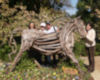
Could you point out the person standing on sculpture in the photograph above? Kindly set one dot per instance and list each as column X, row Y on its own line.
column 90, row 46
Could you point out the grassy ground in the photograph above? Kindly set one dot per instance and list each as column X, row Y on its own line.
column 27, row 70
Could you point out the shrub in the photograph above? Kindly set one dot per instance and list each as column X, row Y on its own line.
column 80, row 48
column 4, row 50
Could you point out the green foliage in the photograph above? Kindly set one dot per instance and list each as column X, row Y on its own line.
column 4, row 50
column 26, row 69
column 89, row 10
column 97, row 49
column 80, row 49
column 25, row 64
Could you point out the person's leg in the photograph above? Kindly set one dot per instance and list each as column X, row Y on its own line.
column 89, row 59
column 49, row 59
column 54, row 61
column 87, row 52
column 46, row 61
column 92, row 64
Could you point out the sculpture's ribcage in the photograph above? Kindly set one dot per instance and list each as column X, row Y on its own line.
column 48, row 43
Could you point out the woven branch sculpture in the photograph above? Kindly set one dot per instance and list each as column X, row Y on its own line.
column 52, row 43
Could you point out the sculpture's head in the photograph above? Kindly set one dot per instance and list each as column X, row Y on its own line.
column 80, row 27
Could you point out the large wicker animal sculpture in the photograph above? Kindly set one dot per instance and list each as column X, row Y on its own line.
column 52, row 43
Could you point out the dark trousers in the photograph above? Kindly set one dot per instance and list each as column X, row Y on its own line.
column 49, row 61
column 91, row 51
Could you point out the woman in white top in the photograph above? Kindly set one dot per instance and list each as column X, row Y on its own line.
column 90, row 46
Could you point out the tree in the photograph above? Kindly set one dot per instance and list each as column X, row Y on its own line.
column 19, row 13
column 90, row 11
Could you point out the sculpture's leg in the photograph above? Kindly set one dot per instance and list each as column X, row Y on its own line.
column 24, row 46
column 71, row 55
column 16, row 60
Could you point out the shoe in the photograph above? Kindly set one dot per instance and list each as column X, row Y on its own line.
column 90, row 69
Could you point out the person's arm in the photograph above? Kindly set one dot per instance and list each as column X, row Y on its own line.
column 57, row 29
